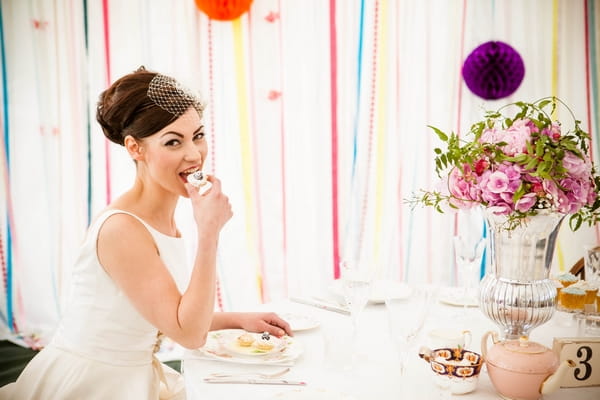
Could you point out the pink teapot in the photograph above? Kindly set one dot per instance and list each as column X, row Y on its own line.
column 521, row 369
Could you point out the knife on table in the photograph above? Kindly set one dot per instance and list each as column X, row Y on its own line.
column 253, row 381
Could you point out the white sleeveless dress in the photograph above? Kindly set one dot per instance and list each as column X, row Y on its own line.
column 103, row 347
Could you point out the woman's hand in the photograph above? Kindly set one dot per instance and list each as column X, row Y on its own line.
column 211, row 209
column 264, row 322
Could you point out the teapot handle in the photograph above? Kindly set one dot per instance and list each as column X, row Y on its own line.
column 484, row 342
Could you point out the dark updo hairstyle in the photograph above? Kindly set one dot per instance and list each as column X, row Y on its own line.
column 125, row 108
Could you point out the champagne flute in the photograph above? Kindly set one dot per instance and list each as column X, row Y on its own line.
column 468, row 254
column 406, row 317
column 356, row 286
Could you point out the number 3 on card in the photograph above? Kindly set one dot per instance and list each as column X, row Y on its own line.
column 585, row 352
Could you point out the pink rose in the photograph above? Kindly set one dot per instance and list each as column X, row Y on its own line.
column 498, row 182
column 559, row 200
column 461, row 188
column 576, row 166
column 525, row 203
column 500, row 209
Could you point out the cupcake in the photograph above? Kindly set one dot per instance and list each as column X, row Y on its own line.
column 197, row 179
column 245, row 340
column 591, row 290
column 572, row 298
column 567, row 279
column 264, row 343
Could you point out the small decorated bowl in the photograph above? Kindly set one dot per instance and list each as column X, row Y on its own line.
column 456, row 368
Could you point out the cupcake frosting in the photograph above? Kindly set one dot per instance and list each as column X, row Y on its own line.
column 574, row 290
column 567, row 277
column 585, row 285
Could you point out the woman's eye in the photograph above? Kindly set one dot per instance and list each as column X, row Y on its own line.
column 199, row 136
column 172, row 142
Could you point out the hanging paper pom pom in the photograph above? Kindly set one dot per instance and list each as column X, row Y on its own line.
column 223, row 10
column 493, row 70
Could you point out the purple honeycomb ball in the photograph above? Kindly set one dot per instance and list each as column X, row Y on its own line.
column 493, row 70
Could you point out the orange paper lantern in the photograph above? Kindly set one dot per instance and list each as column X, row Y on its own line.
column 223, row 10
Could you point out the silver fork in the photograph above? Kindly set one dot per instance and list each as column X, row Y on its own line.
column 253, row 374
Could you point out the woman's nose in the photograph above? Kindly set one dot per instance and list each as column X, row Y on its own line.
column 193, row 153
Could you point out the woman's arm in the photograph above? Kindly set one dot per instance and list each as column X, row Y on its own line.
column 252, row 322
column 128, row 253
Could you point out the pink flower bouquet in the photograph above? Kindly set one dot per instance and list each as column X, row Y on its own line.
column 517, row 166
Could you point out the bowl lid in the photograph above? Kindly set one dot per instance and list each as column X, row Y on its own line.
column 524, row 356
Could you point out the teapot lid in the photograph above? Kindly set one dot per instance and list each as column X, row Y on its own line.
column 524, row 356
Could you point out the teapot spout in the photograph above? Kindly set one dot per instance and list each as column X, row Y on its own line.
column 553, row 381
column 425, row 353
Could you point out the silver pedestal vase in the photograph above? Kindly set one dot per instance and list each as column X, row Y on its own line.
column 516, row 292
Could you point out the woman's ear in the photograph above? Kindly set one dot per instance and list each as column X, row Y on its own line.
column 133, row 148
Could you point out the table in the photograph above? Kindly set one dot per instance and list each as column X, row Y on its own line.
column 375, row 374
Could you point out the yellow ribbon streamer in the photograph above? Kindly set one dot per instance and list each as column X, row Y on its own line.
column 245, row 145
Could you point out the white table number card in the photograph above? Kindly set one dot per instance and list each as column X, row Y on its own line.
column 585, row 353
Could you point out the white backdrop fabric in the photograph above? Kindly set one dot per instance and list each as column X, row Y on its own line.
column 309, row 183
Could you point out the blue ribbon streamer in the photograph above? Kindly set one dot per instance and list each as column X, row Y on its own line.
column 88, row 133
column 353, row 185
column 359, row 63
column 9, row 294
column 484, row 256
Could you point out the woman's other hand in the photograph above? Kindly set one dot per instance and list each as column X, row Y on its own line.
column 264, row 322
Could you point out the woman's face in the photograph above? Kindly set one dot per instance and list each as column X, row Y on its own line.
column 175, row 151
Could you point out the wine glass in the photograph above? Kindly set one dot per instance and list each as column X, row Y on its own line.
column 406, row 317
column 356, row 286
column 468, row 252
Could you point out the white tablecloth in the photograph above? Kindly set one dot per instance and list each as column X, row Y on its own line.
column 375, row 373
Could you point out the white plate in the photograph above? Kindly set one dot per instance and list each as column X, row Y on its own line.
column 379, row 290
column 307, row 393
column 455, row 297
column 216, row 347
column 300, row 322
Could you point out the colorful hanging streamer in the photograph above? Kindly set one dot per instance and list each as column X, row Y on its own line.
column 371, row 133
column 591, row 72
column 88, row 128
column 380, row 157
column 249, row 181
column 106, row 26
column 7, row 264
column 334, row 139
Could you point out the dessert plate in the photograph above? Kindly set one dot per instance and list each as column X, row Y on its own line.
column 455, row 297
column 300, row 322
column 218, row 347
column 379, row 290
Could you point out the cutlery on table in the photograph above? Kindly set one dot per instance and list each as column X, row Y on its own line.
column 319, row 303
column 262, row 381
column 276, row 374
